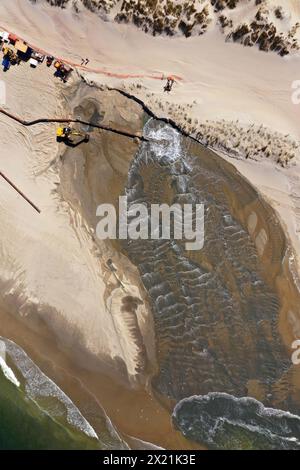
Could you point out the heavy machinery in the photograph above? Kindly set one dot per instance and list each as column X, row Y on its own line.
column 63, row 71
column 9, row 57
column 65, row 134
column 50, row 60
column 38, row 56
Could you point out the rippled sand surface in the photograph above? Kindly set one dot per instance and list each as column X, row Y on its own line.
column 217, row 311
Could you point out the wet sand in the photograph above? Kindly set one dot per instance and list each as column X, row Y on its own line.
column 133, row 412
column 89, row 175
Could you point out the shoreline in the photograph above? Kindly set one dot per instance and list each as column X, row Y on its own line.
column 152, row 425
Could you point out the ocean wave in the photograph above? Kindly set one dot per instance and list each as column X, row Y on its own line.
column 38, row 385
column 222, row 421
column 8, row 372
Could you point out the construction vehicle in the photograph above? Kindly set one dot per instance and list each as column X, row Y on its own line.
column 65, row 134
column 62, row 70
column 9, row 57
column 38, row 56
column 58, row 64
column 50, row 60
column 168, row 86
column 10, row 54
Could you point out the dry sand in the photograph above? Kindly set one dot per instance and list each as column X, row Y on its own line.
column 52, row 274
column 49, row 264
column 68, row 276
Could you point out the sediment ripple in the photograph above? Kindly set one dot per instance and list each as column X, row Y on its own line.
column 216, row 310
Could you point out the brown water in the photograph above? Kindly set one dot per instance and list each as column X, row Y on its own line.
column 217, row 311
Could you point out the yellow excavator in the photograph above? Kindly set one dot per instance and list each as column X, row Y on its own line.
column 10, row 55
column 65, row 134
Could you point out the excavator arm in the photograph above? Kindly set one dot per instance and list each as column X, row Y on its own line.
column 65, row 134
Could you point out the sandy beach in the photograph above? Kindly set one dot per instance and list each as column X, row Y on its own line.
column 78, row 305
column 256, row 88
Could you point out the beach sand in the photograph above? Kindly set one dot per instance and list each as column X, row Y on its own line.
column 54, row 278
column 74, row 312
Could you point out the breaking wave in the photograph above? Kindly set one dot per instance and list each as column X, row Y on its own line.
column 8, row 373
column 222, row 421
column 38, row 385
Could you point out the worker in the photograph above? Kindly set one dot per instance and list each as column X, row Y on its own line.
column 6, row 59
column 6, row 63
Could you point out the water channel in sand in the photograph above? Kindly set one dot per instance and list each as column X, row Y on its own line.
column 221, row 314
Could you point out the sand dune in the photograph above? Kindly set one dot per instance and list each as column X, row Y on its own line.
column 267, row 24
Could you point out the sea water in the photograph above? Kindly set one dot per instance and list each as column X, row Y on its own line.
column 36, row 414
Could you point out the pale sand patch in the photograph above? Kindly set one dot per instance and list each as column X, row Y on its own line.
column 252, row 221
